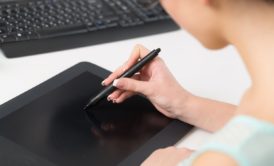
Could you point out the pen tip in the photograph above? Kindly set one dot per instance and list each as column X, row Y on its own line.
column 85, row 108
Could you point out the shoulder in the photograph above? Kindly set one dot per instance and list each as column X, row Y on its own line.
column 214, row 158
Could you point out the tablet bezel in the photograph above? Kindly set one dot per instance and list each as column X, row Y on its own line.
column 169, row 136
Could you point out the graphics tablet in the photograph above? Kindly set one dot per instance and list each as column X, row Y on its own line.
column 47, row 126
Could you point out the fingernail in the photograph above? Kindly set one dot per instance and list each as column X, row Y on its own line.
column 114, row 101
column 115, row 82
column 109, row 98
column 103, row 83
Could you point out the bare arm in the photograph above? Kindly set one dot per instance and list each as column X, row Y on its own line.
column 207, row 114
column 214, row 158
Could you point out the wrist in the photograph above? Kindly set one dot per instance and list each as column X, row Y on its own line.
column 190, row 110
column 183, row 105
column 207, row 114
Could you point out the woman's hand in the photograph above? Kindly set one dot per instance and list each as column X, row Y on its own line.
column 154, row 81
column 170, row 156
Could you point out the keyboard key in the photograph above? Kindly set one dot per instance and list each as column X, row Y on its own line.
column 2, row 31
column 9, row 38
column 21, row 36
column 32, row 35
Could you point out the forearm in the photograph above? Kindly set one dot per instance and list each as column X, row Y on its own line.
column 207, row 114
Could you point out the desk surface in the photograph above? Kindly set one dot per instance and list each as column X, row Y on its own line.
column 217, row 75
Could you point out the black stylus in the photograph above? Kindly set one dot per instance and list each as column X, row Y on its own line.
column 128, row 73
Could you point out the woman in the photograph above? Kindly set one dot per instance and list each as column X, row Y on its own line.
column 247, row 130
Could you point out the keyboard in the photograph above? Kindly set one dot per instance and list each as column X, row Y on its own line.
column 33, row 20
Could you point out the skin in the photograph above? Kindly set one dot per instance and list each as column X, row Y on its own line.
column 246, row 24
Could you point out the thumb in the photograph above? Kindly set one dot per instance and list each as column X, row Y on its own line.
column 132, row 85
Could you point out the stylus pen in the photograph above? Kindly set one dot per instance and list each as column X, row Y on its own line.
column 128, row 73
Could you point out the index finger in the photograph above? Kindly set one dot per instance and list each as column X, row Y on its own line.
column 138, row 52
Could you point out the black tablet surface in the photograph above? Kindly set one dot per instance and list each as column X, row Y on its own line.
column 46, row 126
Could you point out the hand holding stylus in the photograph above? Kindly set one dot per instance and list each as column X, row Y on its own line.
column 126, row 74
column 154, row 81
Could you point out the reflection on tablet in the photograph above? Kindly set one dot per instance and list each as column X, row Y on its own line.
column 55, row 127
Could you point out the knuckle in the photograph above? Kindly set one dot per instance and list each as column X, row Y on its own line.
column 137, row 46
column 124, row 84
column 140, row 49
column 128, row 84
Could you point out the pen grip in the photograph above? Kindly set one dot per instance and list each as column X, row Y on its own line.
column 140, row 64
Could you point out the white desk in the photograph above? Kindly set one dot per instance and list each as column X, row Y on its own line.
column 214, row 74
